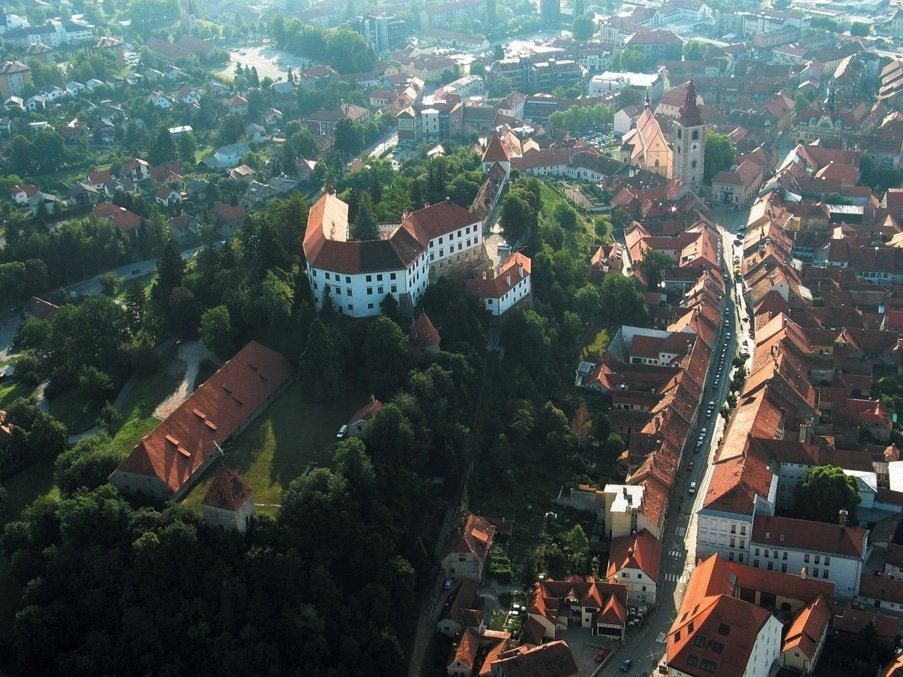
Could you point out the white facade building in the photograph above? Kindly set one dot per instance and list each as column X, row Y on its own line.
column 358, row 274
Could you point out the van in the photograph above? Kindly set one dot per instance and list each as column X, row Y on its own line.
column 692, row 488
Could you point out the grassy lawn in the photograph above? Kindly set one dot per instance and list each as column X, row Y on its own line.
column 10, row 390
column 597, row 347
column 74, row 411
column 283, row 443
column 138, row 413
column 25, row 487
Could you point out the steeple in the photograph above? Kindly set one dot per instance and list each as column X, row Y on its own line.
column 689, row 112
column 647, row 101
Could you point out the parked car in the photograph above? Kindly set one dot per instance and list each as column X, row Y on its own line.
column 448, row 583
column 342, row 432
column 692, row 488
column 625, row 666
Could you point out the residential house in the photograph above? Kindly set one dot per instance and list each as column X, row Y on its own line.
column 806, row 636
column 323, row 121
column 168, row 460
column 461, row 614
column 256, row 133
column 579, row 601
column 717, row 633
column 740, row 185
column 127, row 222
column 236, row 105
column 20, row 194
column 512, row 285
column 550, row 660
column 242, row 173
column 359, row 424
column 230, row 155
column 167, row 196
column 229, row 218
column 229, row 501
column 468, row 550
column 183, row 226
column 634, row 561
column 14, row 77
column 159, row 100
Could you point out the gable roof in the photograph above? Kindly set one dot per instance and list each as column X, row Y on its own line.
column 641, row 551
column 809, row 627
column 786, row 532
column 547, row 660
column 475, row 538
column 177, row 448
column 228, row 491
column 423, row 333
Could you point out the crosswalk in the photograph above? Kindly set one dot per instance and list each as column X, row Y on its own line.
column 677, row 578
column 661, row 638
column 675, row 553
column 682, row 531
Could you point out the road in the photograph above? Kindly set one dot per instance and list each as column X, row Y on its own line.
column 12, row 318
column 646, row 646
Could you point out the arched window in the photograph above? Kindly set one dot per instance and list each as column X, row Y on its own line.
column 679, row 133
column 695, row 134
column 656, row 163
column 693, row 164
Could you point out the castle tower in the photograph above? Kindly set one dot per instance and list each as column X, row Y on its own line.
column 689, row 142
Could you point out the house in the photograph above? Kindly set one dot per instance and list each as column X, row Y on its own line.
column 242, row 173
column 237, row 105
column 229, row 217
column 740, row 185
column 272, row 116
column 512, row 285
column 323, row 121
column 461, row 614
column 84, row 194
column 188, row 95
column 230, row 155
column 634, row 561
column 359, row 424
column 159, row 100
column 39, row 309
column 15, row 76
column 463, row 657
column 468, row 548
column 579, row 601
column 135, row 170
column 126, row 221
column 229, row 502
column 168, row 460
column 167, row 196
column 183, row 226
column 256, row 133
column 74, row 88
column 424, row 337
column 716, row 633
column 22, row 193
column 549, row 660
column 806, row 636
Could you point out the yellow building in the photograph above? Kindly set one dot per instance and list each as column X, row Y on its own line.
column 645, row 146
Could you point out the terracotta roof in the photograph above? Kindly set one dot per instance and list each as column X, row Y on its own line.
column 852, row 621
column 547, row 660
column 808, row 628
column 881, row 587
column 713, row 631
column 464, row 655
column 495, row 151
column 641, row 551
column 792, row 586
column 230, row 213
column 515, row 268
column 689, row 115
column 122, row 217
column 610, row 598
column 183, row 442
column 736, row 482
column 368, row 411
column 228, row 491
column 438, row 219
column 796, row 534
column 423, row 333
column 475, row 538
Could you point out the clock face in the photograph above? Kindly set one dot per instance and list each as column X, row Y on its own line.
column 694, row 146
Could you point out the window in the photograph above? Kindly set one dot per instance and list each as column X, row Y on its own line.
column 824, row 573
column 624, row 574
column 347, row 279
column 380, row 291
column 733, row 528
column 699, row 640
column 679, row 134
column 743, row 530
column 771, row 566
column 708, row 666
column 740, row 558
column 757, row 552
column 733, row 542
column 818, row 559
column 806, row 558
column 730, row 557
column 394, row 289
column 756, row 563
column 644, row 588
column 693, row 164
column 766, row 552
column 369, row 306
column 827, row 560
column 815, row 572
column 327, row 276
column 695, row 134
column 348, row 291
column 379, row 278
column 440, row 240
column 717, row 647
column 784, row 568
column 392, row 276
column 350, row 306
column 785, row 555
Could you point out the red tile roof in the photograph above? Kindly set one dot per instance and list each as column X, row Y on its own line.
column 475, row 538
column 792, row 586
column 182, row 443
column 368, row 411
column 464, row 655
column 228, row 491
column 611, row 598
column 495, row 151
column 515, row 268
column 423, row 333
column 786, row 532
column 729, row 626
column 122, row 217
column 808, row 628
column 881, row 587
column 547, row 660
column 641, row 551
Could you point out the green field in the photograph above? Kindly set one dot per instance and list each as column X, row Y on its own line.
column 10, row 390
column 138, row 413
column 283, row 443
column 75, row 412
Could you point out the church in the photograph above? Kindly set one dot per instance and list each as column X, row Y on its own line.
column 646, row 146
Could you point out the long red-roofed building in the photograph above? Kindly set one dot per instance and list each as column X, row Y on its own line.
column 168, row 460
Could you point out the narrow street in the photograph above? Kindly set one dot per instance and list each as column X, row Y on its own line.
column 646, row 646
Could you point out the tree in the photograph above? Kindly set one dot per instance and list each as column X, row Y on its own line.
column 187, row 148
column 365, row 227
column 630, row 59
column 575, row 544
column 860, row 29
column 878, row 178
column 501, row 86
column 318, row 367
column 109, row 282
column 86, row 465
column 719, row 154
column 695, row 50
column 584, row 27
column 349, row 138
column 385, row 352
column 550, row 10
column 581, row 425
column 517, row 218
column 170, row 268
column 622, row 301
column 824, row 493
column 655, row 265
column 216, row 331
column 163, row 149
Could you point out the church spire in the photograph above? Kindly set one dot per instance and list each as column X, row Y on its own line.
column 689, row 112
column 648, row 103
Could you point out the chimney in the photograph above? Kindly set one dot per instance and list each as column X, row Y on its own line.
column 842, row 516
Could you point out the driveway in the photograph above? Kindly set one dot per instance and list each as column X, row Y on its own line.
column 190, row 356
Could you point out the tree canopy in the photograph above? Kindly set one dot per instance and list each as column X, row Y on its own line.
column 824, row 493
